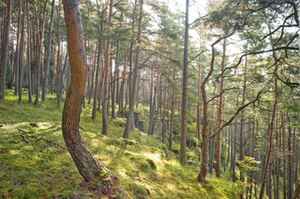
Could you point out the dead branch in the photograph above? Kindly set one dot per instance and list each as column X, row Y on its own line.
column 24, row 138
column 51, row 143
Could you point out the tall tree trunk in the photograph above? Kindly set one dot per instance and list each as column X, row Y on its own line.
column 297, row 191
column 235, row 146
column 212, row 141
column 205, row 138
column 123, row 84
column 241, row 157
column 137, row 94
column 106, row 76
column 296, row 163
column 278, row 144
column 58, row 57
column 29, row 54
column 115, row 81
column 155, row 103
column 117, row 73
column 289, row 170
column 164, row 115
column 284, row 156
column 198, row 124
column 12, row 65
column 251, row 154
column 98, row 71
column 220, row 115
column 172, row 113
column 21, row 56
column 152, row 109
column 38, row 66
column 17, row 59
column 53, row 76
column 4, row 50
column 45, row 80
column 268, row 159
column 93, row 74
column 87, row 166
column 182, row 154
column 60, row 81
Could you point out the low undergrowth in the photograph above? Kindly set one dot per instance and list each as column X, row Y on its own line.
column 35, row 163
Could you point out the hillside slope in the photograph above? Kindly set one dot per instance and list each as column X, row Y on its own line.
column 35, row 163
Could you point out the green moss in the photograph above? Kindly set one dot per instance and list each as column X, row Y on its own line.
column 138, row 191
column 143, row 164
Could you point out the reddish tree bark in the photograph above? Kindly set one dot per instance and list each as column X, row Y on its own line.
column 86, row 164
column 106, row 75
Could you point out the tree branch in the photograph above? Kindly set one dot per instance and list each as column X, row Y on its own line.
column 260, row 93
column 256, row 53
column 226, row 89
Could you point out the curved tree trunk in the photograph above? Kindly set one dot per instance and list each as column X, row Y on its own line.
column 86, row 164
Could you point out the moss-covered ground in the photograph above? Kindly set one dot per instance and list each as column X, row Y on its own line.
column 31, row 167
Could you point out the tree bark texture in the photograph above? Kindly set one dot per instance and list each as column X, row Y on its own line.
column 182, row 154
column 86, row 164
column 106, row 76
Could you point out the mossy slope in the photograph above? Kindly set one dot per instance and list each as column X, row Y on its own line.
column 40, row 168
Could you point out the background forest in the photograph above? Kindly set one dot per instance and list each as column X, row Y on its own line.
column 169, row 102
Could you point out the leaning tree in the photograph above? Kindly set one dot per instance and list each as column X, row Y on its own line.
column 86, row 164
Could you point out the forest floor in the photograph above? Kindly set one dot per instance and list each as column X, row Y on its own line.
column 34, row 162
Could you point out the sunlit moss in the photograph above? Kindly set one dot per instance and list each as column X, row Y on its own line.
column 39, row 170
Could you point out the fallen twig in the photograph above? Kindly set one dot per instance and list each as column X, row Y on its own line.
column 24, row 138
column 53, row 144
column 20, row 130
